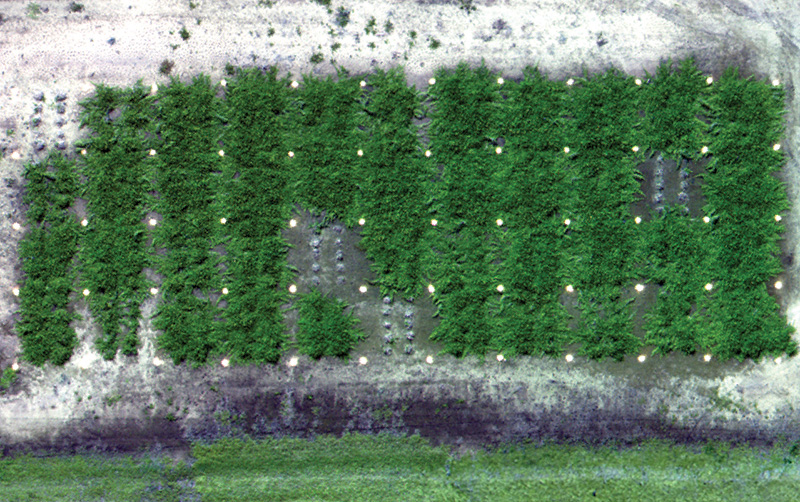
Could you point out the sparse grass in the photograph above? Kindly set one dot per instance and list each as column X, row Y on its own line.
column 466, row 6
column 270, row 31
column 335, row 47
column 371, row 45
column 33, row 10
column 370, row 28
column 192, row 5
column 317, row 58
column 388, row 27
column 75, row 7
column 8, row 377
column 185, row 35
column 434, row 44
column 166, row 67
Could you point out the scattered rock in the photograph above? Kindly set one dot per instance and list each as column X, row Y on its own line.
column 388, row 338
column 315, row 267
column 409, row 314
column 61, row 108
column 39, row 96
column 60, row 122
column 60, row 135
column 35, row 121
column 338, row 229
column 315, row 243
column 37, row 109
column 340, row 280
column 409, row 349
column 387, row 325
column 339, row 255
column 684, row 174
column 410, row 299
column 387, row 300
column 111, row 41
column 409, row 323
column 39, row 146
column 61, row 96
column 387, row 351
column 684, row 185
column 387, row 311
column 340, row 267
column 61, row 145
column 683, row 197
column 338, row 242
column 315, row 281
column 410, row 335
column 657, row 198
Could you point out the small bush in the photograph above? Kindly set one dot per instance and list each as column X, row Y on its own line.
column 270, row 31
column 388, row 26
column 34, row 10
column 317, row 58
column 166, row 67
column 342, row 17
column 185, row 34
column 75, row 7
column 435, row 44
column 326, row 3
column 370, row 28
column 324, row 330
column 9, row 377
column 335, row 47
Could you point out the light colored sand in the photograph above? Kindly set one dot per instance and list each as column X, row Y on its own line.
column 68, row 52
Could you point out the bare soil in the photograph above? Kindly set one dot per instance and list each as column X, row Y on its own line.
column 128, row 404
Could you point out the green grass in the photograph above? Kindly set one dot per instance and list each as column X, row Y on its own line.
column 323, row 327
column 366, row 468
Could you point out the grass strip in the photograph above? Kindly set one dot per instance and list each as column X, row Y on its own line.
column 113, row 254
column 323, row 327
column 254, row 197
column 186, row 168
column 47, row 252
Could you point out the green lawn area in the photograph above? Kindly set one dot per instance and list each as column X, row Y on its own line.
column 368, row 468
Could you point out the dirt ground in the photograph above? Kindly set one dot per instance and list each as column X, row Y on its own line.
column 130, row 403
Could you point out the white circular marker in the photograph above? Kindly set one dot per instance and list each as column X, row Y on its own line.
column 638, row 81
column 291, row 154
column 85, row 292
column 635, row 148
column 157, row 361
column 83, row 152
column 223, row 220
column 500, row 288
column 641, row 358
column 152, row 222
column 570, row 82
column 429, row 359
column 224, row 291
column 709, row 286
column 292, row 223
column 501, row 81
column 431, row 289
column 221, row 153
column 362, row 360
column 152, row 152
column 776, row 82
column 709, row 80
column 362, row 221
column 223, row 82
column 500, row 358
column 569, row 358
column 362, row 289
column 225, row 362
column 293, row 361
column 362, row 84
column 706, row 219
column 431, row 81
column 499, row 222
column 16, row 226
column 569, row 288
column 704, row 149
column 295, row 84
column 154, row 88
column 434, row 222
column 427, row 153
column 15, row 366
column 360, row 153
column 778, row 217
column 84, row 222
column 293, row 289
column 778, row 360
column 567, row 222
column 153, row 291
column 15, row 291
column 776, row 146
column 498, row 150
column 15, row 155
column 707, row 357
column 566, row 149
column 778, row 285
column 637, row 220
column 639, row 287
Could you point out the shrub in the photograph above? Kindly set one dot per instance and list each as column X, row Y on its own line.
column 34, row 10
column 342, row 17
column 9, row 377
column 323, row 328
column 317, row 58
column 435, row 44
column 166, row 67
column 185, row 34
column 75, row 7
